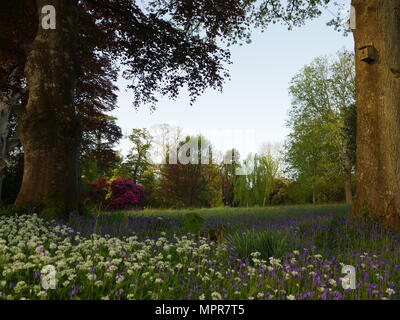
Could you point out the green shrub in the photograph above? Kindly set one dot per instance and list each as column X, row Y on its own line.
column 192, row 222
column 269, row 243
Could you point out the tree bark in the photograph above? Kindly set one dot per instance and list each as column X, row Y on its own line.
column 5, row 110
column 50, row 131
column 378, row 111
column 347, row 178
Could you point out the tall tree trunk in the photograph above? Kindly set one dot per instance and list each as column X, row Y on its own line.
column 50, row 132
column 378, row 107
column 347, row 177
column 5, row 110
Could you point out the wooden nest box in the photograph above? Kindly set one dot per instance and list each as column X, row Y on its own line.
column 367, row 53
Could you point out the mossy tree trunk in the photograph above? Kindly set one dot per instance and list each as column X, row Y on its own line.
column 50, row 131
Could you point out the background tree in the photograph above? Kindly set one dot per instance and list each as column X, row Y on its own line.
column 255, row 188
column 189, row 184
column 320, row 148
column 139, row 165
column 231, row 162
column 138, row 159
column 279, row 194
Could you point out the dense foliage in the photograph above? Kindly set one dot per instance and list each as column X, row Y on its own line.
column 320, row 150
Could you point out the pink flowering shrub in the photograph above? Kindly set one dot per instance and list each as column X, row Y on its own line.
column 125, row 194
column 119, row 194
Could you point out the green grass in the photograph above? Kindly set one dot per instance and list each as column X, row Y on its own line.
column 226, row 212
column 220, row 222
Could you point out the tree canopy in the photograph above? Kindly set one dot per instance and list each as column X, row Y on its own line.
column 321, row 145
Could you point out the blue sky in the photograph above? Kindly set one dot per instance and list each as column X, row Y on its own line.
column 255, row 98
